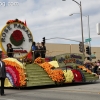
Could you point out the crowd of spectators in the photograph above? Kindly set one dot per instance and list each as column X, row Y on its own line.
column 93, row 66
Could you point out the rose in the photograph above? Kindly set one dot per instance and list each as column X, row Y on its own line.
column 17, row 35
column 17, row 38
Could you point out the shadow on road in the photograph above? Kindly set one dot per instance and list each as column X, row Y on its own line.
column 52, row 86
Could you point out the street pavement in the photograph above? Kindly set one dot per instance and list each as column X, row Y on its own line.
column 66, row 92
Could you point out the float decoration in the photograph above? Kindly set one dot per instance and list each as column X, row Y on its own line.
column 23, row 72
column 56, row 75
column 17, row 38
column 8, row 75
column 68, row 76
column 85, row 69
column 16, row 70
column 77, row 75
column 18, row 35
column 16, row 20
column 15, row 75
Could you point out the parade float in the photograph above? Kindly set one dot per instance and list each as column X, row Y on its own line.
column 22, row 71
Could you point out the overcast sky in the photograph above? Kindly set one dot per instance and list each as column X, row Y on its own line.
column 50, row 18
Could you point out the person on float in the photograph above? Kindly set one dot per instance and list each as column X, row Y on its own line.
column 10, row 52
column 43, row 49
column 38, row 49
column 2, row 75
column 34, row 50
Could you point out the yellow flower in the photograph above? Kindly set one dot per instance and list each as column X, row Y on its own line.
column 68, row 76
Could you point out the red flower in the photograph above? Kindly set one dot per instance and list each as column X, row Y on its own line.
column 14, row 73
column 77, row 75
column 17, row 35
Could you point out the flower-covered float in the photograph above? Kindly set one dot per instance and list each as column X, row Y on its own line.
column 22, row 71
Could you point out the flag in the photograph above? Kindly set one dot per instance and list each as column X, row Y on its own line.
column 25, row 23
column 30, row 56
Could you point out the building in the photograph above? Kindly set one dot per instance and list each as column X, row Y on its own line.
column 56, row 49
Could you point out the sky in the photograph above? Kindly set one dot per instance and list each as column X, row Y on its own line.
column 50, row 19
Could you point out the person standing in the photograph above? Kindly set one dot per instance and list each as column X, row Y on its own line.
column 38, row 49
column 9, row 50
column 2, row 75
column 43, row 49
column 34, row 50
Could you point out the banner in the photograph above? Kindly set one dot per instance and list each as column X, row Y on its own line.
column 70, row 59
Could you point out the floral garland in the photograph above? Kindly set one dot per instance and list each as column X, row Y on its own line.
column 16, row 20
column 13, row 62
column 17, row 38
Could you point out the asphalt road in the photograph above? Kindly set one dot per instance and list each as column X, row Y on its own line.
column 67, row 92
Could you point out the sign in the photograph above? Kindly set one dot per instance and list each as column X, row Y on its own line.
column 93, row 56
column 19, row 36
column 70, row 59
column 88, row 40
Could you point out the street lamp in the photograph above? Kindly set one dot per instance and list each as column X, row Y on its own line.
column 81, row 24
column 88, row 25
column 89, row 36
column 88, row 30
column 73, row 14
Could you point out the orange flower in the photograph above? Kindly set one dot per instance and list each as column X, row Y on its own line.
column 56, row 75
column 87, row 70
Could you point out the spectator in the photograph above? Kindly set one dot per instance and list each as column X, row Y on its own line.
column 2, row 75
column 88, row 65
column 95, row 67
column 92, row 67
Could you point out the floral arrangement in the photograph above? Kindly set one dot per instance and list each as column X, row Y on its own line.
column 85, row 69
column 68, row 76
column 16, row 71
column 54, row 63
column 16, row 20
column 56, row 75
column 77, row 75
column 8, row 75
column 17, row 38
column 13, row 75
column 38, row 60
